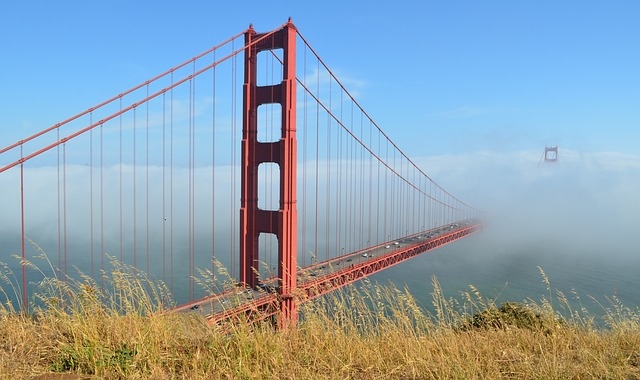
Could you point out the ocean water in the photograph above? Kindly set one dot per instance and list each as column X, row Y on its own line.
column 514, row 273
column 503, row 267
column 576, row 220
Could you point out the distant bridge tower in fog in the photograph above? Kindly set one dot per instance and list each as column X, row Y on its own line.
column 551, row 153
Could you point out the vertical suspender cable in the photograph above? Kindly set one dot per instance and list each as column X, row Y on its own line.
column 353, row 188
column 349, row 146
column 350, row 177
column 425, row 199
column 402, row 225
column 59, row 268
column 64, row 206
column 266, row 129
column 402, row 201
column 441, row 207
column 164, row 189
column 378, row 190
column 274, row 133
column 171, row 186
column 147, row 184
column 385, row 219
column 416, row 203
column 397, row 196
column 339, row 192
column 433, row 205
column 271, row 137
column 361, row 218
column 102, row 250
column 357, row 186
column 425, row 208
column 25, row 305
column 394, row 195
column 91, row 249
column 135, row 195
column 193, row 180
column 121, row 184
column 317, row 196
column 328, row 191
column 370, row 197
column 305, row 180
column 420, row 202
column 233, row 157
column 190, row 191
column 213, row 175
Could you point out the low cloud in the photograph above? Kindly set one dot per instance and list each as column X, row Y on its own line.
column 584, row 201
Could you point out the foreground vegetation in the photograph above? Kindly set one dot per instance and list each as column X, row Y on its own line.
column 82, row 330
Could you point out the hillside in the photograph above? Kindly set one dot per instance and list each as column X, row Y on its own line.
column 373, row 332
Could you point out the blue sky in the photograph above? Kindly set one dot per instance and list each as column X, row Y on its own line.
column 471, row 90
column 439, row 77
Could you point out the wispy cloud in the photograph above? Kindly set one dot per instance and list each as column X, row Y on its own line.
column 320, row 82
column 471, row 111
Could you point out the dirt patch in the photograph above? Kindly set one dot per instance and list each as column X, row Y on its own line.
column 61, row 376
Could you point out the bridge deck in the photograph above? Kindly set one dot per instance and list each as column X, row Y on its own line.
column 323, row 277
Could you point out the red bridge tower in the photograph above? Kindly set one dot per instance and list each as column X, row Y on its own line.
column 253, row 220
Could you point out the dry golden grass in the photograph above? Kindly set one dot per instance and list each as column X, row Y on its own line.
column 375, row 332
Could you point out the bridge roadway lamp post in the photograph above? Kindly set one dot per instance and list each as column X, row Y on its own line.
column 253, row 220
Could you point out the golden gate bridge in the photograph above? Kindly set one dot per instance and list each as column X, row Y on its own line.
column 248, row 164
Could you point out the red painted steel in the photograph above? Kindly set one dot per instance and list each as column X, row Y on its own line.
column 255, row 310
column 253, row 220
column 312, row 281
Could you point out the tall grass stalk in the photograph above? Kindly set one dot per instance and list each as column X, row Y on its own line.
column 365, row 331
